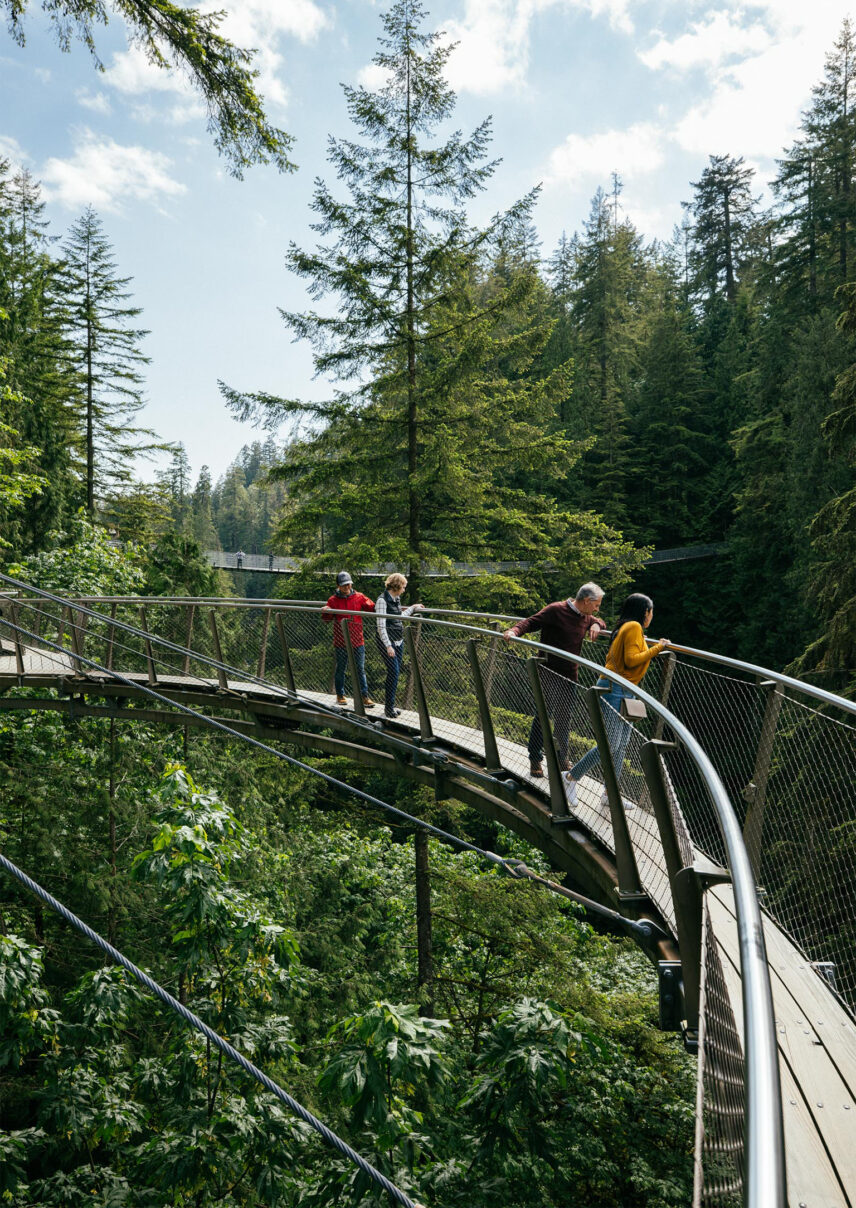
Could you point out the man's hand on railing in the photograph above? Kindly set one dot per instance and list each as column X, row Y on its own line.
column 509, row 634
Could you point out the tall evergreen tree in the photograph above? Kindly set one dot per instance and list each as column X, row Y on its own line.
column 832, row 585
column 666, row 482
column 106, row 355
column 610, row 277
column 411, row 465
column 724, row 227
column 33, row 341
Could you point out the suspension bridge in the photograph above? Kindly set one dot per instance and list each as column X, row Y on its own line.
column 286, row 564
column 722, row 844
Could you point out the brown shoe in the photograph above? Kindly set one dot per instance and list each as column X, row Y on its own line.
column 535, row 769
column 341, row 700
column 368, row 703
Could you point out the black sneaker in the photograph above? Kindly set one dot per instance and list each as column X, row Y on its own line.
column 392, row 713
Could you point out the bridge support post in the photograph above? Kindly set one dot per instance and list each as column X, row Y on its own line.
column 755, row 793
column 558, row 801
column 629, row 883
column 218, row 652
column 688, row 883
column 263, row 649
column 286, row 657
column 665, row 689
column 491, row 752
column 76, row 622
column 426, row 732
column 16, row 638
column 359, row 707
column 111, row 637
column 150, row 662
column 187, row 646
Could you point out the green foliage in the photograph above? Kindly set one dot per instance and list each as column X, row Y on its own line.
column 84, row 561
column 175, row 567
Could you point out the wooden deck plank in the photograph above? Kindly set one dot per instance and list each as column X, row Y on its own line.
column 819, row 1110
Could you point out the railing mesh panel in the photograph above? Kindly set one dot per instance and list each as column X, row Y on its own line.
column 721, row 1078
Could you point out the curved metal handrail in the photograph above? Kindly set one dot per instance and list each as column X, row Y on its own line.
column 754, row 670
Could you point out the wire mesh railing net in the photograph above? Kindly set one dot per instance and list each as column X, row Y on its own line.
column 720, row 1115
column 790, row 773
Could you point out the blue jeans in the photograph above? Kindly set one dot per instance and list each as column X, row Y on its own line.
column 617, row 732
column 393, row 671
column 341, row 666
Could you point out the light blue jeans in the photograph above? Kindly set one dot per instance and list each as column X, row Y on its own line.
column 617, row 732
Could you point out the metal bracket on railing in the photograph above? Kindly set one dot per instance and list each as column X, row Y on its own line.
column 670, row 995
column 558, row 800
column 755, row 793
column 426, row 733
column 688, row 884
column 218, row 653
column 286, row 657
column 356, row 686
column 629, row 881
column 493, row 764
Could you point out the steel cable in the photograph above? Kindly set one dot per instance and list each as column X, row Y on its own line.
column 214, row 1037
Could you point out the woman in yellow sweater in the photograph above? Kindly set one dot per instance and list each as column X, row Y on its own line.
column 628, row 655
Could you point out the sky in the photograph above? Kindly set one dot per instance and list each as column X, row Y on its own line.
column 577, row 89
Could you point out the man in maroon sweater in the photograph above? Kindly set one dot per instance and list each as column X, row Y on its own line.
column 563, row 624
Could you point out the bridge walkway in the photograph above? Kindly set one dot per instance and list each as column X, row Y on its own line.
column 815, row 1040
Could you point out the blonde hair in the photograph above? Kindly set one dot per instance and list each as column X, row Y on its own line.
column 396, row 580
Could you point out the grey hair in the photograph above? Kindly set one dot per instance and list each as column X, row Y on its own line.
column 590, row 591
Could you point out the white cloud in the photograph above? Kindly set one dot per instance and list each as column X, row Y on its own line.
column 12, row 150
column 105, row 174
column 493, row 39
column 372, row 77
column 708, row 43
column 98, row 102
column 133, row 74
column 753, row 105
column 581, row 159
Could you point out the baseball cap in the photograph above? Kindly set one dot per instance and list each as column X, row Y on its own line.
column 343, row 578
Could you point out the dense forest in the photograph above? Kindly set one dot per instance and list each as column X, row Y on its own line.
column 568, row 409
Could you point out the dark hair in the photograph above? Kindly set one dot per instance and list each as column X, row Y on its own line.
column 633, row 609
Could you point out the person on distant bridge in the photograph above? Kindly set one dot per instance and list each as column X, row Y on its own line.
column 628, row 655
column 390, row 634
column 563, row 624
column 345, row 598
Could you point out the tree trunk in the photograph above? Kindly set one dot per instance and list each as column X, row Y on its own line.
column 425, row 968
column 111, row 917
column 415, row 533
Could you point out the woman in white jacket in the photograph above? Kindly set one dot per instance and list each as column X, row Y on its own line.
column 390, row 634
